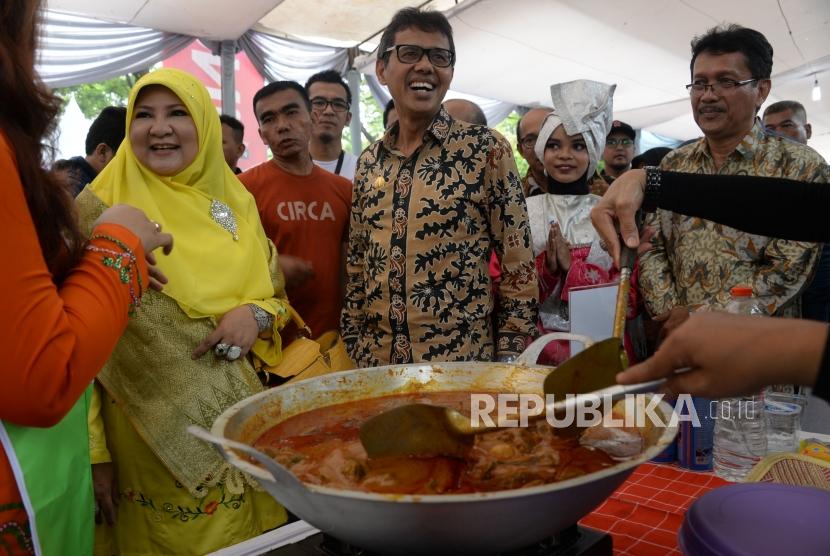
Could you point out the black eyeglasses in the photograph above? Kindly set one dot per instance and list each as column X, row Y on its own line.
column 320, row 103
column 718, row 87
column 412, row 54
column 625, row 142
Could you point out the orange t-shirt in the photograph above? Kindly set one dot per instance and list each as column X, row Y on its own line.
column 53, row 341
column 307, row 217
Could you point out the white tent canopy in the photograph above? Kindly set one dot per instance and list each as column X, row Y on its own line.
column 513, row 50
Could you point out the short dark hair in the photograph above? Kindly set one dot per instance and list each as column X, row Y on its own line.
column 728, row 38
column 782, row 105
column 652, row 157
column 328, row 76
column 389, row 107
column 279, row 86
column 428, row 21
column 236, row 126
column 109, row 128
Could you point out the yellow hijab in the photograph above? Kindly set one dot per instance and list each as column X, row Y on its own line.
column 210, row 272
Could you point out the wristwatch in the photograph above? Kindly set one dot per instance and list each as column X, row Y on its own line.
column 651, row 195
column 264, row 319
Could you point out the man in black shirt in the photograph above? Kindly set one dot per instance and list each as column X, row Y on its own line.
column 102, row 140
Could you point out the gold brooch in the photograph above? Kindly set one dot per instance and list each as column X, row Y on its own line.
column 380, row 183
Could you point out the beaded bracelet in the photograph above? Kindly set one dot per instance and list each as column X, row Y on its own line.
column 652, row 190
column 123, row 262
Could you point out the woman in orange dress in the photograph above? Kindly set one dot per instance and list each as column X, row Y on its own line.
column 63, row 306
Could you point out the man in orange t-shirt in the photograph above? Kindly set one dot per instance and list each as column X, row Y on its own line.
column 304, row 209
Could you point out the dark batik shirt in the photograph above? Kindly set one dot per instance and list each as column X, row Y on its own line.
column 421, row 233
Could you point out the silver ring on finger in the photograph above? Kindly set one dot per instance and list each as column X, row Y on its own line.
column 233, row 353
column 221, row 350
column 156, row 224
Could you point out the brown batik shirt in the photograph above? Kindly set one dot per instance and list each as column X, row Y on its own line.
column 421, row 234
column 598, row 185
column 695, row 262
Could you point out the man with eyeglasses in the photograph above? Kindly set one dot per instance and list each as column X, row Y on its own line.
column 331, row 100
column 432, row 198
column 694, row 262
column 618, row 153
column 535, row 181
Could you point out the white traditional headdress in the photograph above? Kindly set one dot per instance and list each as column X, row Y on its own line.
column 581, row 106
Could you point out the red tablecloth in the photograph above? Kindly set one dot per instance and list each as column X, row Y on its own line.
column 644, row 515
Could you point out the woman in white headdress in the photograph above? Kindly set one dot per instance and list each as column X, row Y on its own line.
column 566, row 246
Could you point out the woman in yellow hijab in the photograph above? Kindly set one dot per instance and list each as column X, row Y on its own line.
column 187, row 353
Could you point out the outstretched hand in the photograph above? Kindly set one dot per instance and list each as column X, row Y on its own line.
column 731, row 355
column 620, row 204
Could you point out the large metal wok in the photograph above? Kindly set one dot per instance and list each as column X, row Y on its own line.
column 485, row 523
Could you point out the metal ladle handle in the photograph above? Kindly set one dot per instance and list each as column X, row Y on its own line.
column 531, row 354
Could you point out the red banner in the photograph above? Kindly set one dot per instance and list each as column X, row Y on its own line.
column 198, row 60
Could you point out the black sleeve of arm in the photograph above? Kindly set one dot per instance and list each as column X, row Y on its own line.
column 822, row 386
column 774, row 207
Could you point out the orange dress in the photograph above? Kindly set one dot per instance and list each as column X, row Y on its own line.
column 53, row 340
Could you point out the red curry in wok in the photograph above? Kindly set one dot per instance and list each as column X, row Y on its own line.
column 322, row 447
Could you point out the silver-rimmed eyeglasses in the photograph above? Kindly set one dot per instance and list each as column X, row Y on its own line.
column 718, row 87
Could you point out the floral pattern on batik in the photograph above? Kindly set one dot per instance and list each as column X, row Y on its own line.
column 695, row 262
column 421, row 233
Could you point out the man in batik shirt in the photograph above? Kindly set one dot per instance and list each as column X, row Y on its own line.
column 431, row 200
column 527, row 130
column 695, row 262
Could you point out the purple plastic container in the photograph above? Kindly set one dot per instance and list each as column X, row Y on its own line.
column 758, row 519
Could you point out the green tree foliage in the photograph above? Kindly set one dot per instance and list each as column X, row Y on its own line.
column 507, row 127
column 94, row 97
column 371, row 118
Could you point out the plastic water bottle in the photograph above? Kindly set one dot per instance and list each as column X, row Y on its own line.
column 740, row 428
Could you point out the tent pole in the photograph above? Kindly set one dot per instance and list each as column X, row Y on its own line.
column 227, row 56
column 354, row 127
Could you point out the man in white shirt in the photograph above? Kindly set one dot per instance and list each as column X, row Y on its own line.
column 330, row 103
